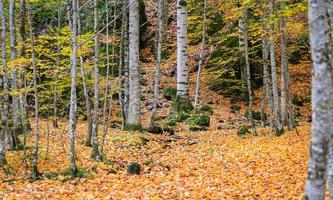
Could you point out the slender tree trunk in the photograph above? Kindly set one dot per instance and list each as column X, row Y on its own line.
column 5, row 117
column 16, row 104
column 134, row 74
column 55, row 98
column 95, row 152
column 322, row 86
column 159, row 36
column 122, row 63
column 265, row 56
column 182, row 68
column 284, row 73
column 87, row 102
column 22, row 80
column 35, row 172
column 241, row 36
column 277, row 114
column 201, row 57
column 248, row 70
column 108, row 84
column 73, row 99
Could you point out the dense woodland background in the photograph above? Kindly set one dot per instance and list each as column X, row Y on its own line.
column 216, row 106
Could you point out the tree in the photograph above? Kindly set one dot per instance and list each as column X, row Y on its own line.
column 133, row 120
column 4, row 123
column 287, row 114
column 201, row 56
column 277, row 114
column 123, row 64
column 73, row 99
column 322, row 88
column 35, row 172
column 159, row 36
column 95, row 152
column 248, row 71
column 15, row 102
column 182, row 68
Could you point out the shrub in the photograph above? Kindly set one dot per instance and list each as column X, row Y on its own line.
column 181, row 104
column 169, row 93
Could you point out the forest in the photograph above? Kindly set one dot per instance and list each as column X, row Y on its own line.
column 166, row 99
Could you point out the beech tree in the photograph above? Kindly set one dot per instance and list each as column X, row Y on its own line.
column 133, row 118
column 322, row 87
column 73, row 99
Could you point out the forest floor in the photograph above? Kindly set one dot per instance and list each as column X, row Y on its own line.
column 214, row 164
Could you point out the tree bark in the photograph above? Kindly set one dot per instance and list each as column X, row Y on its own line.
column 201, row 57
column 122, row 61
column 15, row 99
column 182, row 68
column 159, row 39
column 95, row 152
column 35, row 172
column 87, row 104
column 134, row 74
column 322, row 90
column 277, row 114
column 5, row 117
column 73, row 99
column 248, row 70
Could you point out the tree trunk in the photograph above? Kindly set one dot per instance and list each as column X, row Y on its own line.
column 5, row 117
column 159, row 39
column 95, row 152
column 73, row 99
column 133, row 119
column 88, row 106
column 201, row 57
column 248, row 71
column 55, row 98
column 277, row 114
column 182, row 68
column 15, row 99
column 265, row 57
column 121, row 89
column 322, row 86
column 284, row 73
column 35, row 172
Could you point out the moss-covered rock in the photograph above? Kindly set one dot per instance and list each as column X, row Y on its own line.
column 133, row 127
column 182, row 104
column 169, row 93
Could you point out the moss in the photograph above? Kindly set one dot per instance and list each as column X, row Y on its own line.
column 169, row 93
column 242, row 130
column 133, row 127
column 182, row 104
column 206, row 109
column 169, row 129
column 134, row 168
